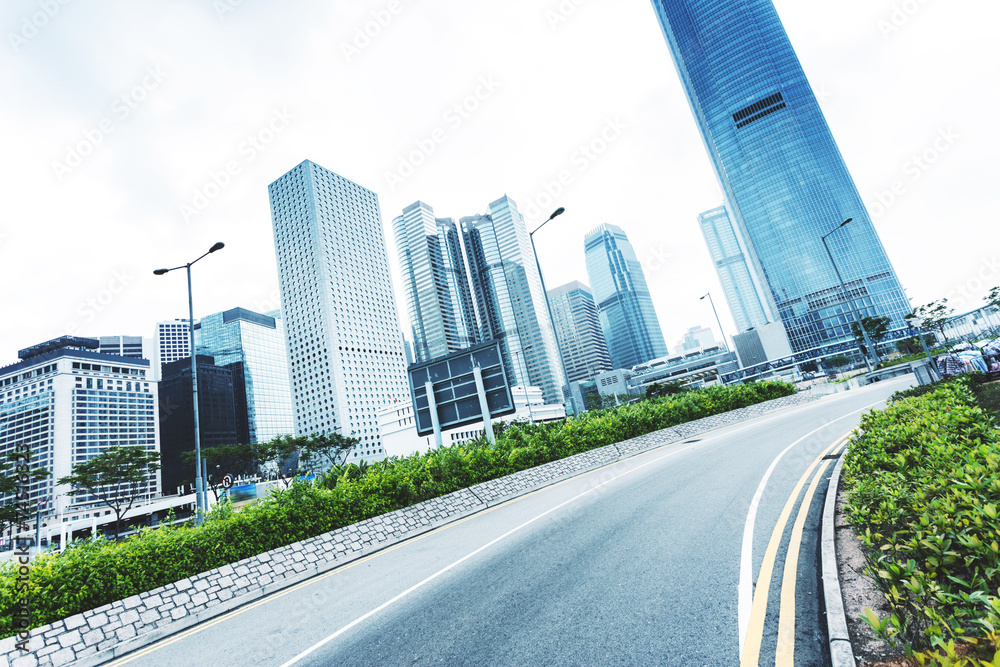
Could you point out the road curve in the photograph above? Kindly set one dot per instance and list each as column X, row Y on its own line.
column 638, row 563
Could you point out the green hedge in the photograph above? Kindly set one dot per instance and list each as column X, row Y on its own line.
column 93, row 573
column 922, row 481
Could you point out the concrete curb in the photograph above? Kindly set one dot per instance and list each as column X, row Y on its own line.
column 841, row 650
column 121, row 627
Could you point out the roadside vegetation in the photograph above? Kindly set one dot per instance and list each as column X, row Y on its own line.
column 922, row 482
column 92, row 573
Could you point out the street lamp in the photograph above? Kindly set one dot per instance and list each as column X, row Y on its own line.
column 709, row 295
column 198, row 481
column 854, row 308
column 545, row 295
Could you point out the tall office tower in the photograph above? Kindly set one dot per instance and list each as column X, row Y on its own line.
column 67, row 403
column 217, row 418
column 342, row 331
column 782, row 174
column 128, row 346
column 442, row 316
column 172, row 342
column 628, row 319
column 252, row 346
column 574, row 314
column 742, row 286
column 509, row 298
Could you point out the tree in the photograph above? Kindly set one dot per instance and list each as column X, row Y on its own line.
column 838, row 361
column 323, row 452
column 240, row 460
column 993, row 298
column 116, row 477
column 876, row 327
column 15, row 512
column 934, row 315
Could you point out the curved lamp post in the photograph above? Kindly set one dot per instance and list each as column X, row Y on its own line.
column 545, row 295
column 854, row 309
column 198, row 481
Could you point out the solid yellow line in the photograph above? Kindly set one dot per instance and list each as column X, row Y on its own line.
column 784, row 655
column 755, row 629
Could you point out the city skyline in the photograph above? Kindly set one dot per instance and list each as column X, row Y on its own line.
column 177, row 117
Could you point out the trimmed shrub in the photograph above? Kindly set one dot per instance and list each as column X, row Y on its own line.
column 90, row 574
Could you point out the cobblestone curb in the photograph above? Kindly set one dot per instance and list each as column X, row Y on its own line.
column 841, row 650
column 107, row 632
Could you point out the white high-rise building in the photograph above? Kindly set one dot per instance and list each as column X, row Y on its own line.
column 67, row 403
column 173, row 342
column 345, row 348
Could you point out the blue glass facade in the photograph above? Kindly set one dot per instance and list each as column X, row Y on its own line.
column 438, row 297
column 783, row 177
column 624, row 305
column 509, row 299
column 252, row 346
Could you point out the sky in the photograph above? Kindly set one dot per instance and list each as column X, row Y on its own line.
column 136, row 135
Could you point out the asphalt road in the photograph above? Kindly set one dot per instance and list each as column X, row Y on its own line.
column 638, row 563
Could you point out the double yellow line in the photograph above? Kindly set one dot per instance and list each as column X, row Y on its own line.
column 785, row 651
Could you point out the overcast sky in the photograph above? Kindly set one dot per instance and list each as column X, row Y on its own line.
column 136, row 134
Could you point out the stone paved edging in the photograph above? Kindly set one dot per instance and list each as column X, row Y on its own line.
column 841, row 649
column 110, row 631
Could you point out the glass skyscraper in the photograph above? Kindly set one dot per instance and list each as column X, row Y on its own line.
column 624, row 305
column 438, row 297
column 581, row 340
column 509, row 298
column 252, row 346
column 744, row 292
column 780, row 170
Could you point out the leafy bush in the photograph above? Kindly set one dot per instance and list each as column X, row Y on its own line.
column 922, row 481
column 95, row 573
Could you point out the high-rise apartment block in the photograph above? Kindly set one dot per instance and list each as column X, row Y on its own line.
column 252, row 346
column 67, row 403
column 442, row 319
column 173, row 342
column 341, row 326
column 624, row 305
column 744, row 292
column 783, row 177
column 581, row 340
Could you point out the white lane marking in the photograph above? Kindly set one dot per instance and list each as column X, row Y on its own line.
column 745, row 586
column 458, row 562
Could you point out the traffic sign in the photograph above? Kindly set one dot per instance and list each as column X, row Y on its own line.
column 227, row 481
